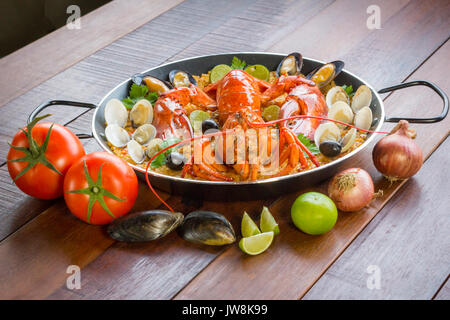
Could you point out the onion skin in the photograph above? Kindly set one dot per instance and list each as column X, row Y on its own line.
column 355, row 196
column 397, row 156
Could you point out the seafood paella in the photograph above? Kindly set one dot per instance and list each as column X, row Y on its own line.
column 239, row 122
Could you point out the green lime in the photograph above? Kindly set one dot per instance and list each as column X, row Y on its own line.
column 267, row 222
column 271, row 112
column 256, row 244
column 218, row 72
column 314, row 213
column 248, row 226
column 197, row 117
column 258, row 71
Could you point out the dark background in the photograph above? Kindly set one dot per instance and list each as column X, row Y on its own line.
column 23, row 21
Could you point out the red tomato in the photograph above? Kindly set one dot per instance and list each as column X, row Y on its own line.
column 43, row 180
column 106, row 191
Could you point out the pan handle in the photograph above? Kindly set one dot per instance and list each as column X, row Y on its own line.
column 420, row 83
column 49, row 103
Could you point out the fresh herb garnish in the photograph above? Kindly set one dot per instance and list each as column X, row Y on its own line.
column 161, row 159
column 349, row 90
column 236, row 63
column 309, row 144
column 137, row 93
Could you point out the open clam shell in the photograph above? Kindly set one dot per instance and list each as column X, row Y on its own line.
column 153, row 147
column 348, row 140
column 341, row 111
column 117, row 135
column 207, row 227
column 144, row 225
column 179, row 78
column 362, row 98
column 326, row 73
column 336, row 94
column 290, row 65
column 135, row 151
column 363, row 119
column 327, row 131
column 144, row 134
column 141, row 113
column 116, row 113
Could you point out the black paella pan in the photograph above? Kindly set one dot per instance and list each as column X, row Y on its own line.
column 248, row 189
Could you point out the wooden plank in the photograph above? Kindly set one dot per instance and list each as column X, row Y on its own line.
column 409, row 248
column 295, row 261
column 444, row 292
column 62, row 48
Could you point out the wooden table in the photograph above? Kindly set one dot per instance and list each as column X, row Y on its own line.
column 402, row 235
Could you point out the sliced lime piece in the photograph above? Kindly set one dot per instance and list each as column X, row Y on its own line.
column 197, row 117
column 267, row 222
column 256, row 244
column 218, row 72
column 271, row 113
column 248, row 226
column 258, row 71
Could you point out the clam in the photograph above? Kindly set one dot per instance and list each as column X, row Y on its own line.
column 180, row 78
column 144, row 134
column 323, row 75
column 327, row 131
column 153, row 147
column 290, row 65
column 117, row 135
column 363, row 119
column 135, row 151
column 116, row 113
column 336, row 94
column 348, row 140
column 141, row 113
column 144, row 225
column 362, row 98
column 341, row 111
column 207, row 227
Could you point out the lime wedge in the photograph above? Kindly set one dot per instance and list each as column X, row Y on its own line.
column 258, row 71
column 256, row 244
column 267, row 222
column 271, row 112
column 218, row 72
column 197, row 117
column 248, row 226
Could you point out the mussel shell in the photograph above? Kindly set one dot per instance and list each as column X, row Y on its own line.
column 207, row 227
column 144, row 225
column 139, row 80
column 298, row 63
column 172, row 79
column 338, row 66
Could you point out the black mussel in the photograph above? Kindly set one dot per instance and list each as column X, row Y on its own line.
column 326, row 73
column 330, row 148
column 207, row 227
column 180, row 78
column 153, row 84
column 175, row 161
column 290, row 65
column 209, row 124
column 144, row 225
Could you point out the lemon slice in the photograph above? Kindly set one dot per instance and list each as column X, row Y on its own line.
column 258, row 71
column 218, row 72
column 197, row 117
column 248, row 226
column 267, row 222
column 271, row 113
column 256, row 244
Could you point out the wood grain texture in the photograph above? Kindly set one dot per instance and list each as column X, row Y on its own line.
column 295, row 261
column 62, row 48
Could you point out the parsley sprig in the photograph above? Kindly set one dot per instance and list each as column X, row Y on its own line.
column 349, row 90
column 137, row 93
column 161, row 159
column 309, row 144
column 236, row 63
